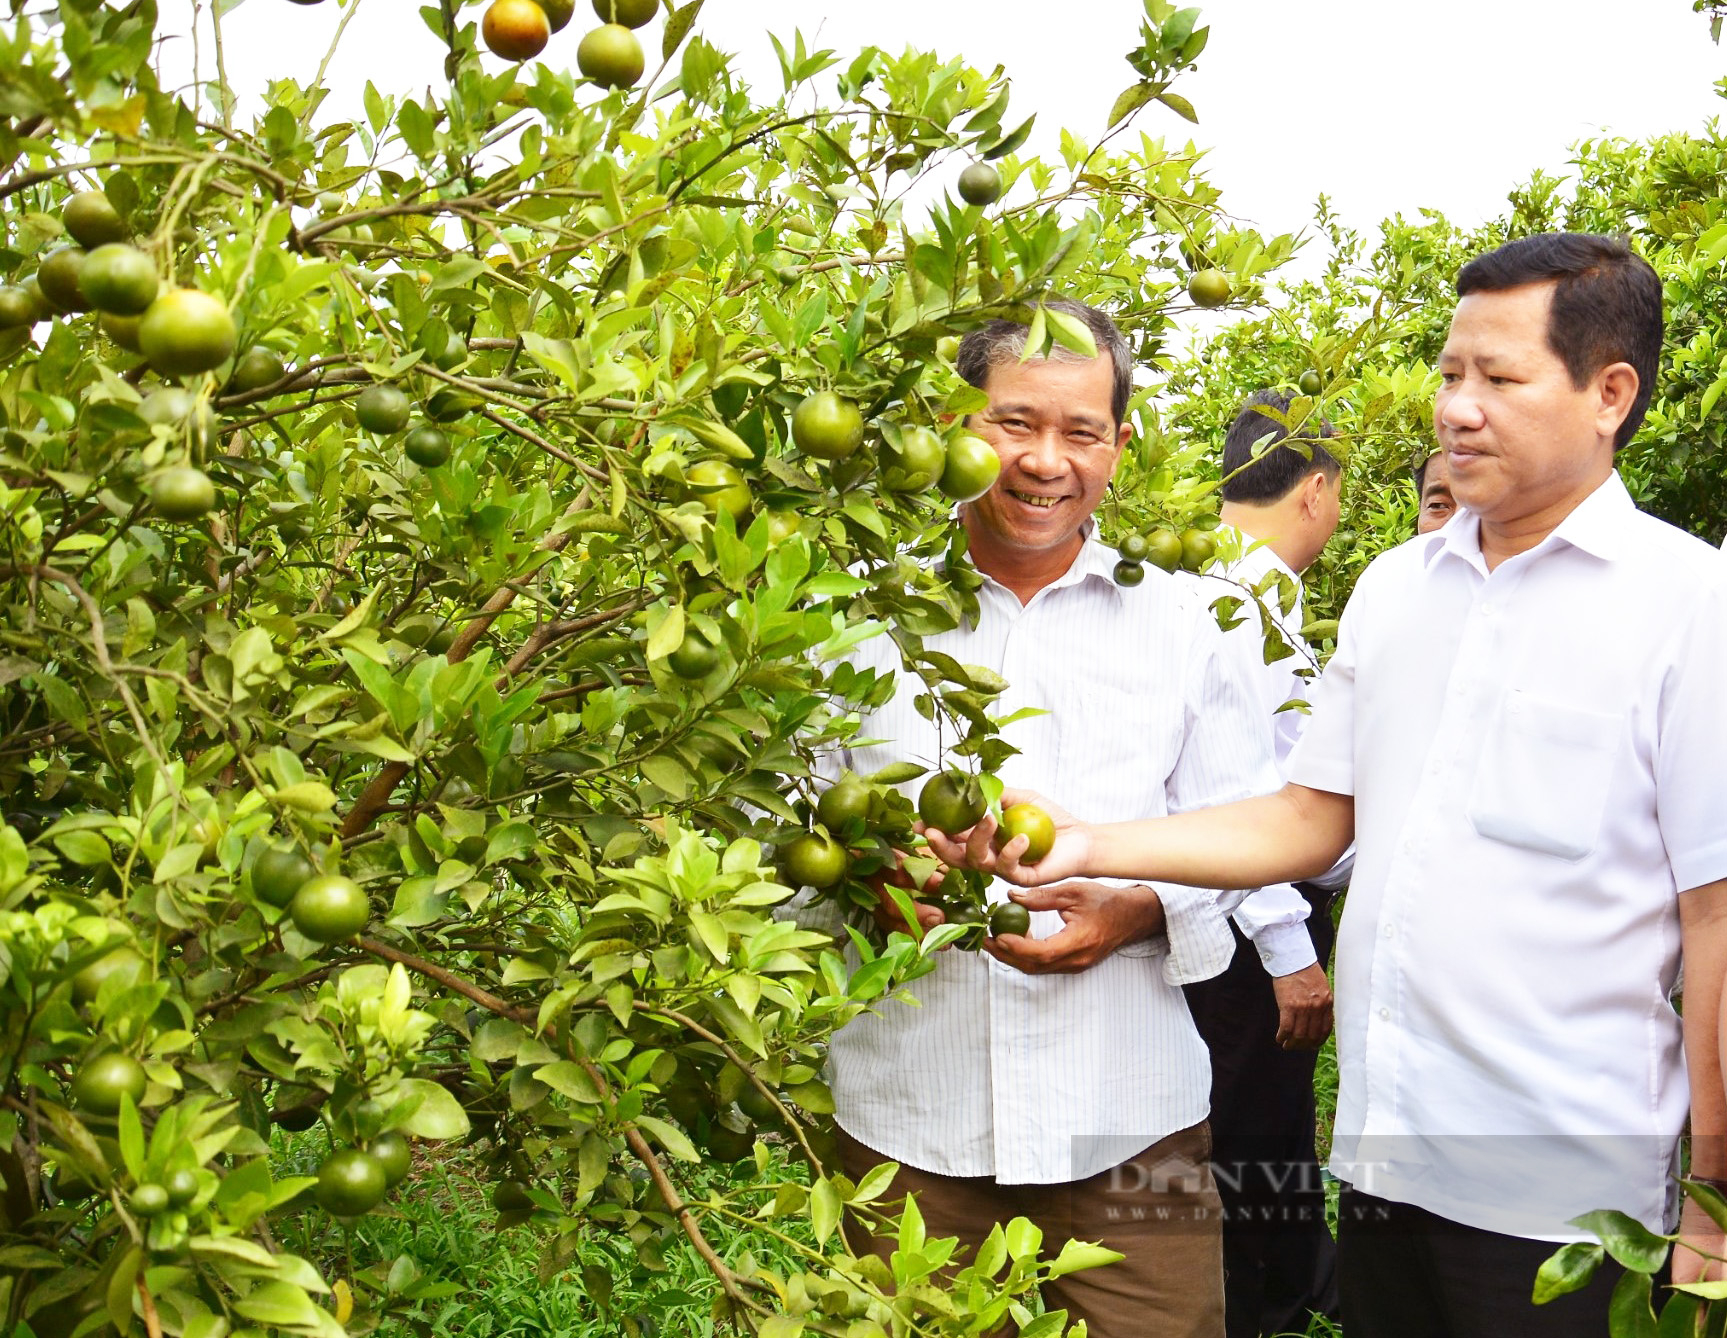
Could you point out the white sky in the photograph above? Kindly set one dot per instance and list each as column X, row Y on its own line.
column 1387, row 107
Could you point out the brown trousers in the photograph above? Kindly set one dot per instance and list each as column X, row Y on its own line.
column 1159, row 1208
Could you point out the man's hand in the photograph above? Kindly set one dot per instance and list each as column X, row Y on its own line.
column 1697, row 1232
column 887, row 914
column 1303, row 1008
column 976, row 849
column 1099, row 919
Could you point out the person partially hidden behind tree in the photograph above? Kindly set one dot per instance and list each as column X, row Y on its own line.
column 1264, row 1018
column 1523, row 729
column 1069, row 1086
column 1434, row 504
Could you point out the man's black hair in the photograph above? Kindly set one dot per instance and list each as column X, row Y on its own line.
column 1262, row 461
column 1606, row 305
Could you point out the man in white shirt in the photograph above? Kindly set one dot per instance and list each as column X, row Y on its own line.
column 1068, row 1087
column 1525, row 731
column 1264, row 1018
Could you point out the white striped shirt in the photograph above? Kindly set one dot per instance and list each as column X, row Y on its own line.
column 1274, row 918
column 1147, row 716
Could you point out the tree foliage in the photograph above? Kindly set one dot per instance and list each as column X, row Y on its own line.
column 549, row 703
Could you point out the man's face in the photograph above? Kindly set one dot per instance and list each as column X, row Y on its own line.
column 1436, row 504
column 1520, row 441
column 1051, row 423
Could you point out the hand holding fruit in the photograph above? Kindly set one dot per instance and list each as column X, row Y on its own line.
column 1065, row 855
column 1098, row 918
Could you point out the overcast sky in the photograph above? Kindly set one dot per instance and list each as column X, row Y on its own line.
column 1387, row 107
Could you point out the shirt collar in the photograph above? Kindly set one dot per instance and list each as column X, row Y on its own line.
column 1258, row 556
column 1596, row 525
column 1095, row 560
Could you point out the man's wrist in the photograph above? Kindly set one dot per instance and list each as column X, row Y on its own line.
column 1151, row 923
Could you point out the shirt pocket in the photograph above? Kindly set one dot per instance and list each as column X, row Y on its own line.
column 1543, row 777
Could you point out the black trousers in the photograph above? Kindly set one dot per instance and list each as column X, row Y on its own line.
column 1279, row 1259
column 1406, row 1273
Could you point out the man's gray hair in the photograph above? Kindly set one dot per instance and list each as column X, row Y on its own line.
column 1003, row 342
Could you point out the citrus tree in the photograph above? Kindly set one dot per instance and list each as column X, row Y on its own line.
column 430, row 545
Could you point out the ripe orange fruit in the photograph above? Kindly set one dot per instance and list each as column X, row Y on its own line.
column 611, row 56
column 515, row 29
column 1030, row 821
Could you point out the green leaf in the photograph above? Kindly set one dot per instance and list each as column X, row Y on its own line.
column 1630, row 1243
column 825, row 1206
column 1009, row 142
column 678, row 26
column 280, row 1304
column 1130, row 100
column 670, row 1137
column 438, row 1116
column 1071, row 332
column 1629, row 1314
column 1076, row 1255
column 572, row 1080
column 1566, row 1270
column 1180, row 106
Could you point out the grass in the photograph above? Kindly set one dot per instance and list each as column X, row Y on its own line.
column 444, row 1228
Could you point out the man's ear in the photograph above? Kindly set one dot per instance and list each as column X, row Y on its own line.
column 1616, row 389
column 1312, row 490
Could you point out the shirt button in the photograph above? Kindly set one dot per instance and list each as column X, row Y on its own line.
column 1385, row 1013
column 1487, row 610
column 1390, row 931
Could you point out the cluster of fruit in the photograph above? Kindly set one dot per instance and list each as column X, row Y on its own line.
column 385, row 410
column 861, row 825
column 1191, row 550
column 179, row 332
column 325, row 907
column 610, row 55
column 826, row 426
column 350, row 1181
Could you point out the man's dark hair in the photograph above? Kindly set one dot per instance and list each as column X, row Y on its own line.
column 1001, row 342
column 1606, row 305
column 1263, row 460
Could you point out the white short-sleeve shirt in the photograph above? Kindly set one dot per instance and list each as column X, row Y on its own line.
column 1537, row 756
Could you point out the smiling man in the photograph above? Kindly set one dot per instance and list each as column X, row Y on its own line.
column 1069, row 1087
column 1524, row 729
